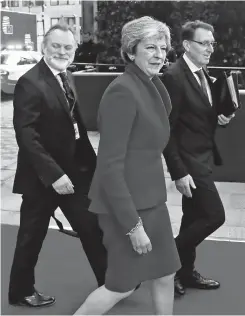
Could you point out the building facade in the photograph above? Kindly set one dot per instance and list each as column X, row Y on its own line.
column 49, row 12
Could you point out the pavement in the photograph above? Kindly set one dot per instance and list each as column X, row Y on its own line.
column 232, row 194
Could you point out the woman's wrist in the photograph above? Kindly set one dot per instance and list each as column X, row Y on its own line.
column 138, row 225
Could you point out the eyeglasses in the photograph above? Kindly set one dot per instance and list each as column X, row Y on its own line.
column 205, row 43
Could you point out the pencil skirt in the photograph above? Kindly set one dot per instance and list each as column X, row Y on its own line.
column 126, row 268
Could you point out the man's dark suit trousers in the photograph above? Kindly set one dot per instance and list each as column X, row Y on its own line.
column 35, row 215
column 202, row 215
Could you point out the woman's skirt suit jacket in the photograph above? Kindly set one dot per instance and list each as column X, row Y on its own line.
column 129, row 179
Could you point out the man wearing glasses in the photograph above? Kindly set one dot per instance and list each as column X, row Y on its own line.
column 191, row 150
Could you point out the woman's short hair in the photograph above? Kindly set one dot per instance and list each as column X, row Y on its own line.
column 189, row 28
column 139, row 29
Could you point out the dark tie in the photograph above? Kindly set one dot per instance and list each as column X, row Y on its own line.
column 201, row 76
column 68, row 92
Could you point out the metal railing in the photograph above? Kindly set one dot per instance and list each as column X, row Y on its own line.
column 122, row 66
column 117, row 68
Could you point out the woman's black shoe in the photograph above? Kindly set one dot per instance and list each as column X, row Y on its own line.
column 179, row 289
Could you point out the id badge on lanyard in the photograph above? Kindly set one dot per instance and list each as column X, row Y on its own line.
column 77, row 135
column 76, row 130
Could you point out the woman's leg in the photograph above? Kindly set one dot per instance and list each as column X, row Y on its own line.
column 101, row 301
column 162, row 291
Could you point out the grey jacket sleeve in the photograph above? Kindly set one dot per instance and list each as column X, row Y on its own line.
column 116, row 120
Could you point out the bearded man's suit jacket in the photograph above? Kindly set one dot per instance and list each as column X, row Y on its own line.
column 48, row 149
column 45, row 133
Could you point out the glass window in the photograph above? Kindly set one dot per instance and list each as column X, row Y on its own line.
column 54, row 21
column 39, row 3
column 14, row 3
column 70, row 20
column 63, row 2
column 54, row 2
column 32, row 3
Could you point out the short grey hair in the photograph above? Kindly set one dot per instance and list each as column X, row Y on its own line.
column 139, row 29
column 62, row 26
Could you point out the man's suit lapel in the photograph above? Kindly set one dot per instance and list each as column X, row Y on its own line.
column 210, row 82
column 77, row 107
column 72, row 85
column 193, row 82
column 71, row 82
column 55, row 86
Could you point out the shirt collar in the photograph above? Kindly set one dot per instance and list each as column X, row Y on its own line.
column 54, row 71
column 190, row 64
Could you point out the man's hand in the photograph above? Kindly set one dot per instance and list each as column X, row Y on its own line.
column 185, row 184
column 140, row 241
column 224, row 120
column 63, row 185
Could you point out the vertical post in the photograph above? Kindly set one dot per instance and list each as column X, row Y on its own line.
column 7, row 5
column 30, row 5
column 95, row 12
column 88, row 16
column 43, row 22
column 40, row 25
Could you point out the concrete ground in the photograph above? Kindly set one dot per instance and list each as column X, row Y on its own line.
column 232, row 194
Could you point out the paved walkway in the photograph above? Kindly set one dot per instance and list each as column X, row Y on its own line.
column 232, row 194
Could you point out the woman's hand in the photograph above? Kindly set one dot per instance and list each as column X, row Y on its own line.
column 140, row 241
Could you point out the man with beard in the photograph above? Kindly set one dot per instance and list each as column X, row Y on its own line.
column 55, row 165
column 192, row 149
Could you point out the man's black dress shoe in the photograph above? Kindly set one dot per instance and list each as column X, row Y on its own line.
column 35, row 300
column 178, row 287
column 195, row 280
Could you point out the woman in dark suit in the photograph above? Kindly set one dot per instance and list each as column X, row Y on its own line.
column 128, row 190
